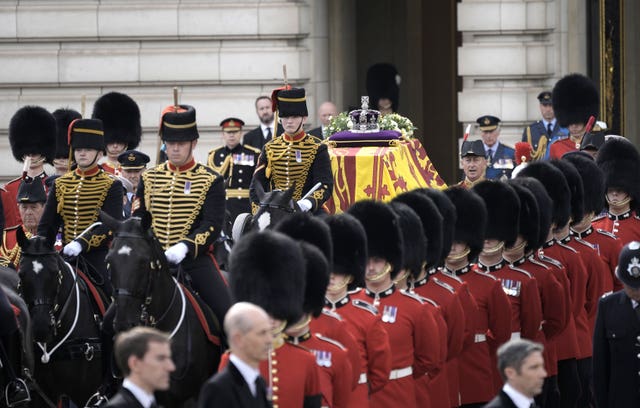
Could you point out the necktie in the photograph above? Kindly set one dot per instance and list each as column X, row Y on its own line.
column 490, row 155
column 549, row 129
column 268, row 134
column 261, row 389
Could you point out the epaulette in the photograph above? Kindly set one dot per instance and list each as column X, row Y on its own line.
column 411, row 295
column 361, row 304
column 214, row 150
column 15, row 227
column 598, row 217
column 444, row 285
column 15, row 180
column 253, row 149
column 607, row 233
column 562, row 244
column 452, row 276
column 301, row 347
column 552, row 261
column 585, row 243
column 484, row 274
column 430, row 301
column 354, row 291
column 513, row 268
column 536, row 262
column 605, row 294
column 331, row 314
column 330, row 341
column 315, row 138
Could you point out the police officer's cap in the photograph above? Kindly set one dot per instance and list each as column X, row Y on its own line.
column 471, row 219
column 31, row 191
column 231, row 124
column 472, row 148
column 86, row 134
column 32, row 130
column 133, row 160
column 628, row 269
column 488, row 123
column 544, row 98
column 179, row 124
column 503, row 210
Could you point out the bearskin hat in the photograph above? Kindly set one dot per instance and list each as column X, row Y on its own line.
column 121, row 118
column 431, row 222
column 619, row 160
column 557, row 187
column 503, row 210
column 471, row 222
column 592, row 180
column 384, row 239
column 63, row 118
column 529, row 220
column 545, row 207
column 575, row 98
column 317, row 277
column 413, row 237
column 574, row 181
column 302, row 226
column 32, row 130
column 267, row 268
column 349, row 247
column 449, row 217
column 383, row 81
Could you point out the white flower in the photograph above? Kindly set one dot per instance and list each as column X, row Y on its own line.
column 349, row 124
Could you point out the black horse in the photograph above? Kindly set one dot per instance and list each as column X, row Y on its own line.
column 274, row 206
column 146, row 294
column 66, row 326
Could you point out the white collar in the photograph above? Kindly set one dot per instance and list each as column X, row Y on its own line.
column 264, row 127
column 519, row 399
column 141, row 395
column 634, row 304
column 492, row 149
column 248, row 373
column 552, row 123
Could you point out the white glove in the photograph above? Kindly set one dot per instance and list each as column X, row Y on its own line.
column 73, row 249
column 176, row 253
column 305, row 205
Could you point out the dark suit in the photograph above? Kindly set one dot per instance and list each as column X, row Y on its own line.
column 123, row 399
column 616, row 348
column 317, row 132
column 502, row 162
column 228, row 389
column 255, row 137
column 502, row 400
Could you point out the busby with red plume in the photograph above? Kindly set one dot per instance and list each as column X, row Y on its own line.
column 575, row 99
column 32, row 130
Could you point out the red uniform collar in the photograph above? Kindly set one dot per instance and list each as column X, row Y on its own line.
column 91, row 171
column 295, row 138
column 187, row 166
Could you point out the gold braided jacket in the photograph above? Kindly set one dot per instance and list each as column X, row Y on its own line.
column 10, row 251
column 186, row 204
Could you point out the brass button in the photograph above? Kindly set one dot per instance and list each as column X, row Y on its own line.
column 276, row 388
column 275, row 397
column 274, row 371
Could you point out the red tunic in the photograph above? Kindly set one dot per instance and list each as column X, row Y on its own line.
column 414, row 341
column 562, row 146
column 625, row 226
column 331, row 325
column 554, row 308
column 445, row 296
column 334, row 366
column 569, row 346
column 608, row 247
column 599, row 279
column 372, row 339
column 9, row 195
column 294, row 375
column 111, row 168
column 493, row 327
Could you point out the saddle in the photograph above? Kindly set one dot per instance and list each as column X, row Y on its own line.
column 207, row 319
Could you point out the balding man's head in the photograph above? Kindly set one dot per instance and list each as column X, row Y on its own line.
column 326, row 111
column 248, row 330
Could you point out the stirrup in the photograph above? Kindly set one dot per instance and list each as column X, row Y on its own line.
column 96, row 400
column 20, row 394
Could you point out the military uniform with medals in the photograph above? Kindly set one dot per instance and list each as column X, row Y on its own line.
column 500, row 157
column 187, row 204
column 540, row 134
column 236, row 165
column 299, row 159
column 75, row 201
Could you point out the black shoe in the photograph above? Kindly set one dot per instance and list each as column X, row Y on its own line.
column 16, row 392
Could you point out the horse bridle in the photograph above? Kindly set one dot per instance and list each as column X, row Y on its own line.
column 278, row 207
column 146, row 297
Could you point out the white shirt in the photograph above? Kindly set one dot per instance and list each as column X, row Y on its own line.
column 264, row 130
column 141, row 395
column 519, row 399
column 490, row 150
column 546, row 124
column 248, row 373
column 634, row 303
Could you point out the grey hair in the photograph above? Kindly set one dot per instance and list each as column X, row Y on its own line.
column 514, row 352
column 238, row 318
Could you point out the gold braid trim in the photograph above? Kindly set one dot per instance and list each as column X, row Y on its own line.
column 542, row 146
column 11, row 256
column 286, row 169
